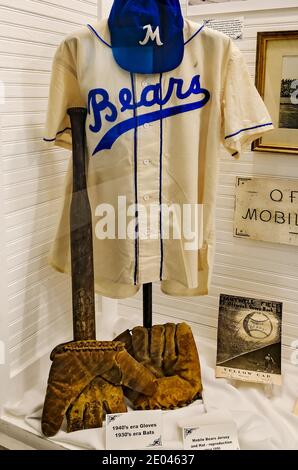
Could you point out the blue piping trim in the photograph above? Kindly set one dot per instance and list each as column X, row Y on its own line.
column 196, row 33
column 109, row 45
column 98, row 36
column 248, row 129
column 160, row 185
column 60, row 132
column 135, row 180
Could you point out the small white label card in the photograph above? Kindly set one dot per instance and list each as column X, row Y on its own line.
column 232, row 27
column 211, row 437
column 135, row 430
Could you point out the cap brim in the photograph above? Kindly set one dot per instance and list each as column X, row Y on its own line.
column 150, row 59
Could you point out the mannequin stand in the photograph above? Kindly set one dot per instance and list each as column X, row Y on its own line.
column 147, row 305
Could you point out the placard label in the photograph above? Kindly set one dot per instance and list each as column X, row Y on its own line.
column 135, row 430
column 211, row 437
column 232, row 27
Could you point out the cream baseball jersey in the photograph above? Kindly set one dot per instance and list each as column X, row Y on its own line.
column 153, row 140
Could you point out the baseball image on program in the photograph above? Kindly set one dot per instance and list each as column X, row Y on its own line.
column 249, row 339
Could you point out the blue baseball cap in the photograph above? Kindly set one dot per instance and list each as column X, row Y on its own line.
column 147, row 35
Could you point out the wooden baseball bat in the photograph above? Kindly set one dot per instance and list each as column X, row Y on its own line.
column 81, row 239
column 82, row 242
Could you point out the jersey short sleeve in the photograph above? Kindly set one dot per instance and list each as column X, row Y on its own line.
column 64, row 93
column 244, row 115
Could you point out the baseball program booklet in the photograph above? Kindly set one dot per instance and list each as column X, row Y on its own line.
column 249, row 340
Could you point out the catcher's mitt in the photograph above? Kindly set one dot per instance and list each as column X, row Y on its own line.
column 85, row 382
column 169, row 352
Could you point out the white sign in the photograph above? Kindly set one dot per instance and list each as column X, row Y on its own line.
column 211, row 437
column 203, row 7
column 232, row 27
column 266, row 209
column 136, row 430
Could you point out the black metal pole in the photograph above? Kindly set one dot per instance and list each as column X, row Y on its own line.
column 147, row 305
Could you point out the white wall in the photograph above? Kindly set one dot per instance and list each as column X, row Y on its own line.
column 4, row 369
column 242, row 267
column 38, row 310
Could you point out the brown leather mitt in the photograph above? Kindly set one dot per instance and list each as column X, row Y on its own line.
column 170, row 353
column 85, row 382
column 97, row 399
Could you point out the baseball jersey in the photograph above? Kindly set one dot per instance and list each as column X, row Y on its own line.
column 152, row 140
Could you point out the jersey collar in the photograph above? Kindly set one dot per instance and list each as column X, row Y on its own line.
column 102, row 32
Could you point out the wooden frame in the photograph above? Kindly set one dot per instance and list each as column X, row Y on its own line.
column 237, row 6
column 266, row 77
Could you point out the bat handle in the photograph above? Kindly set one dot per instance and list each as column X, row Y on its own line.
column 82, row 267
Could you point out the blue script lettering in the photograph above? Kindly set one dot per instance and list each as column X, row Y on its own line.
column 99, row 106
column 99, row 101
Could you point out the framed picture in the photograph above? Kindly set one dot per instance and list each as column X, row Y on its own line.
column 277, row 82
column 212, row 7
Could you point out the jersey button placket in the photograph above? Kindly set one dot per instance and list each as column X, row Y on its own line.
column 148, row 175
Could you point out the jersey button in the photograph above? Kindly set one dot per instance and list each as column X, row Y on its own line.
column 146, row 162
column 146, row 197
column 146, row 125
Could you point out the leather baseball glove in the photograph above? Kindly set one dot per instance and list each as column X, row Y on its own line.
column 169, row 352
column 98, row 398
column 85, row 382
